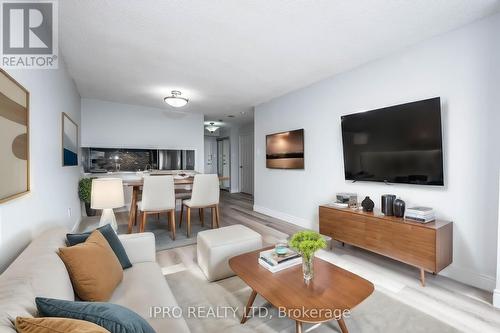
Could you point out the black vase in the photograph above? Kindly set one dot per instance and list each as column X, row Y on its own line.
column 387, row 204
column 89, row 211
column 399, row 208
column 367, row 204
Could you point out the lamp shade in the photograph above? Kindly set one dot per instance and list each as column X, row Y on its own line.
column 107, row 193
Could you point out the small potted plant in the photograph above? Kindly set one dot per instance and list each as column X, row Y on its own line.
column 306, row 243
column 84, row 192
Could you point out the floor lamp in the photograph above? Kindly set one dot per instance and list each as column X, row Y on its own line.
column 106, row 194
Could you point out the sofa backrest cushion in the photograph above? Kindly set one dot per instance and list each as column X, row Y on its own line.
column 38, row 271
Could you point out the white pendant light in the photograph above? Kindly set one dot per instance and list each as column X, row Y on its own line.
column 212, row 128
column 176, row 100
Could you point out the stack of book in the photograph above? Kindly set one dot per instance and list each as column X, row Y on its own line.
column 274, row 263
column 420, row 214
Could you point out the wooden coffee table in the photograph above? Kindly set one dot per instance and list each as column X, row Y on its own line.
column 332, row 291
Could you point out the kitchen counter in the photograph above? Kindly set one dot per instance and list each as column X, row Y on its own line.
column 137, row 173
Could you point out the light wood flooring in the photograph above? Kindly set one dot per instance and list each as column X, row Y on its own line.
column 466, row 308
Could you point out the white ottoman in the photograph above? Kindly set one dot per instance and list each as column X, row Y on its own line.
column 217, row 246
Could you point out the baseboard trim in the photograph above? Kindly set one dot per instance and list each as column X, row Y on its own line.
column 471, row 278
column 76, row 226
column 496, row 298
column 283, row 216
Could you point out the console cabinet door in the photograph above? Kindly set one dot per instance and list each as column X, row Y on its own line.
column 407, row 243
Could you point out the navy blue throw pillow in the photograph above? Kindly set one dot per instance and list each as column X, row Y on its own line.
column 113, row 240
column 113, row 317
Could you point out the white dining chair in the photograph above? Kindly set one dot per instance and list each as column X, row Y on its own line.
column 205, row 195
column 158, row 196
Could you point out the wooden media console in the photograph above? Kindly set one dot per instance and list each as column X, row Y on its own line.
column 428, row 247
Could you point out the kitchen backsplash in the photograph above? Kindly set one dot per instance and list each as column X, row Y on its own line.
column 108, row 159
column 113, row 159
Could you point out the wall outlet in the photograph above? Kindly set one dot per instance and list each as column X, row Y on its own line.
column 69, row 212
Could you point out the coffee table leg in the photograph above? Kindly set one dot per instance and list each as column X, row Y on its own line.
column 248, row 307
column 343, row 328
column 298, row 326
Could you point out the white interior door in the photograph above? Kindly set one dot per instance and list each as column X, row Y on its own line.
column 246, row 164
column 210, row 155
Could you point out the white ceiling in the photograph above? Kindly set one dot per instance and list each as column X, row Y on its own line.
column 230, row 55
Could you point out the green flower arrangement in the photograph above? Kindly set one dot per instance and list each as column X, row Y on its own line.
column 307, row 243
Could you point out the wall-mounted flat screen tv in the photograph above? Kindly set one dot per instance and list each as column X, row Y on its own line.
column 285, row 150
column 397, row 144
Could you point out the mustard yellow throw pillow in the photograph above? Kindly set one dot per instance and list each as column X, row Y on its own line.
column 56, row 325
column 93, row 268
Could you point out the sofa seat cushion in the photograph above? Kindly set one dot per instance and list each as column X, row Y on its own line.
column 142, row 290
column 94, row 268
column 56, row 325
column 113, row 317
column 217, row 246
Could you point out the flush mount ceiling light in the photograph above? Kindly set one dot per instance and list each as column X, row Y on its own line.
column 212, row 128
column 176, row 100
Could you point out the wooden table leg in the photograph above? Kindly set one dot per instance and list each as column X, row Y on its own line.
column 133, row 209
column 342, row 326
column 298, row 327
column 249, row 306
column 202, row 217
column 422, row 277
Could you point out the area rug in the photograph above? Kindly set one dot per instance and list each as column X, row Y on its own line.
column 163, row 235
column 196, row 296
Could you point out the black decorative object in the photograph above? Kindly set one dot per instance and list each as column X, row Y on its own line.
column 387, row 204
column 399, row 208
column 367, row 204
column 89, row 210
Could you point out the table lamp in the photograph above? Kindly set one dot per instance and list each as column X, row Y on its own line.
column 107, row 193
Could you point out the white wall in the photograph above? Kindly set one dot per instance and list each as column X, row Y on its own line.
column 53, row 187
column 462, row 68
column 107, row 124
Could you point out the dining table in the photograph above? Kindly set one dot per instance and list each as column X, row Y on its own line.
column 137, row 184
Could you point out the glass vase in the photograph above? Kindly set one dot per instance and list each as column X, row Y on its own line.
column 308, row 268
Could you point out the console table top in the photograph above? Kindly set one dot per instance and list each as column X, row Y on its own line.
column 437, row 224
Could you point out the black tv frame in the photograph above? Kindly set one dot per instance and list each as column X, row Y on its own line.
column 437, row 184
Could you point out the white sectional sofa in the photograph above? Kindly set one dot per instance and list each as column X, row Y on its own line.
column 38, row 271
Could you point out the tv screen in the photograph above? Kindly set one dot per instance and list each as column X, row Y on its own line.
column 397, row 144
column 285, row 150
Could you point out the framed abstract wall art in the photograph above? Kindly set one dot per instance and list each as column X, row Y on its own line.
column 69, row 141
column 14, row 138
